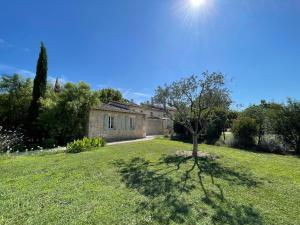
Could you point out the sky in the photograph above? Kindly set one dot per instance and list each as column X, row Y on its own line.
column 137, row 45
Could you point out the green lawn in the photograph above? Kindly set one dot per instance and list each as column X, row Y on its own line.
column 144, row 183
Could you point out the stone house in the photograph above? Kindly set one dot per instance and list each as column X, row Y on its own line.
column 121, row 121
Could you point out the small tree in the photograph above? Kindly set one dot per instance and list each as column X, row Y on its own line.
column 258, row 112
column 39, row 85
column 244, row 130
column 216, row 125
column 286, row 124
column 193, row 98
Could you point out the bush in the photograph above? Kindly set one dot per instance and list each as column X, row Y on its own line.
column 273, row 143
column 213, row 132
column 286, row 124
column 49, row 143
column 244, row 130
column 64, row 116
column 85, row 144
column 11, row 140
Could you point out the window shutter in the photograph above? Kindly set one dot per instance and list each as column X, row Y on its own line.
column 105, row 122
column 123, row 122
column 134, row 123
column 115, row 122
column 120, row 122
column 127, row 123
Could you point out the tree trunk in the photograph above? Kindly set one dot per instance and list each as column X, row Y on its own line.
column 195, row 145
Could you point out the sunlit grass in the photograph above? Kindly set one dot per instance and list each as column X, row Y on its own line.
column 144, row 183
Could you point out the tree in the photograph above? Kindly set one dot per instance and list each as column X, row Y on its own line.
column 244, row 130
column 15, row 98
column 39, row 85
column 258, row 112
column 108, row 94
column 193, row 98
column 57, row 86
column 217, row 122
column 64, row 117
column 286, row 123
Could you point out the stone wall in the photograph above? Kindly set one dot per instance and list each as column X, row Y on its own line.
column 158, row 126
column 154, row 113
column 154, row 126
column 122, row 131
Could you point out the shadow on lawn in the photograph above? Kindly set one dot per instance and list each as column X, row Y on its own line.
column 167, row 197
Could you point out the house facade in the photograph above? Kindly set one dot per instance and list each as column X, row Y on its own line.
column 123, row 121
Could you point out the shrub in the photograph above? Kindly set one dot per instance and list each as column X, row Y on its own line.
column 273, row 143
column 49, row 143
column 64, row 116
column 11, row 140
column 286, row 123
column 213, row 131
column 85, row 144
column 244, row 130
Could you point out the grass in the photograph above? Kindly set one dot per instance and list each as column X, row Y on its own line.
column 145, row 183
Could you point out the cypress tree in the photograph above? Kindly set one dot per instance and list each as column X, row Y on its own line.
column 40, row 80
column 39, row 87
column 57, row 86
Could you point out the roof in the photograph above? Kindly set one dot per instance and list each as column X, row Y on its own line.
column 115, row 108
column 158, row 107
column 124, row 104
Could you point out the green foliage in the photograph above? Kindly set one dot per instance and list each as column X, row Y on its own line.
column 49, row 143
column 10, row 140
column 64, row 116
column 231, row 116
column 40, row 80
column 15, row 98
column 258, row 113
column 212, row 126
column 140, row 183
column 217, row 121
column 244, row 130
column 194, row 98
column 85, row 144
column 108, row 94
column 286, row 123
column 39, row 91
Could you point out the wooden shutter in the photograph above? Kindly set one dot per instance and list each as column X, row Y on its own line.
column 105, row 122
column 127, row 125
column 115, row 122
column 124, row 122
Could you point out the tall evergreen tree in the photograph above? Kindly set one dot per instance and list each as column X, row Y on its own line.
column 40, row 80
column 57, row 86
column 39, row 87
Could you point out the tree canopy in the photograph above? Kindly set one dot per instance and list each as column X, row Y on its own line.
column 193, row 99
column 108, row 94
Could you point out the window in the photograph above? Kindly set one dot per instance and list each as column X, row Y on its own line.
column 111, row 122
column 132, row 125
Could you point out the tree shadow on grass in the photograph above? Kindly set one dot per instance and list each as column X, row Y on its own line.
column 211, row 167
column 161, row 190
column 167, row 197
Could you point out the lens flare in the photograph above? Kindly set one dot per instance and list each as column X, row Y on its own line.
column 197, row 3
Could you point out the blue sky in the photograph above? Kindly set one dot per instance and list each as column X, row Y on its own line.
column 136, row 45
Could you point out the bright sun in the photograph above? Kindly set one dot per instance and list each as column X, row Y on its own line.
column 197, row 3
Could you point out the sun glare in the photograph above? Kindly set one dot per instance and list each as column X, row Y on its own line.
column 197, row 3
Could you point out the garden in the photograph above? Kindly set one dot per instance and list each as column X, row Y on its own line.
column 146, row 183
